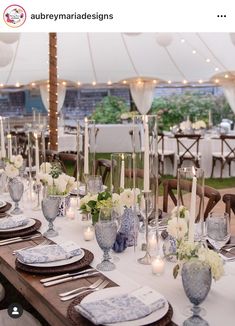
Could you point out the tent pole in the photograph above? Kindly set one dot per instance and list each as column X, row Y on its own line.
column 53, row 97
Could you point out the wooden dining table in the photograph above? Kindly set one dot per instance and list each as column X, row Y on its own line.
column 44, row 299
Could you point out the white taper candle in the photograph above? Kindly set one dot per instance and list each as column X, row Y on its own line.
column 122, row 176
column 192, row 217
column 146, row 153
column 86, row 148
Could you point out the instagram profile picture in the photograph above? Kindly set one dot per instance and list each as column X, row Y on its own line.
column 14, row 16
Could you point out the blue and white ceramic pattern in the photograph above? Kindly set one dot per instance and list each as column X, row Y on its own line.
column 13, row 222
column 120, row 308
column 48, row 253
column 129, row 226
column 64, row 204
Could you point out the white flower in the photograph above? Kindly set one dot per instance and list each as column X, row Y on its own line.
column 11, row 170
column 45, row 167
column 85, row 200
column 213, row 260
column 178, row 228
column 70, row 184
column 127, row 198
column 183, row 212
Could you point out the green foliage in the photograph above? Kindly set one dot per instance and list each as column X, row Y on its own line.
column 175, row 108
column 109, row 110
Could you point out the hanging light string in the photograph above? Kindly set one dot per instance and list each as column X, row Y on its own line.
column 197, row 52
column 175, row 64
column 13, row 62
column 211, row 52
column 129, row 55
column 92, row 58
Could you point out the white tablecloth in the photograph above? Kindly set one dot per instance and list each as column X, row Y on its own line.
column 219, row 303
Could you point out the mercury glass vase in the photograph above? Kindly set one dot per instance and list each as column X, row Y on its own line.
column 16, row 189
column 196, row 278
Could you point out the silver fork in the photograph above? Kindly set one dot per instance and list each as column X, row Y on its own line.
column 100, row 287
column 40, row 244
column 92, row 286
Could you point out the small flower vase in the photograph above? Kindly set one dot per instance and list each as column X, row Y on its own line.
column 196, row 278
column 129, row 226
column 170, row 248
column 64, row 203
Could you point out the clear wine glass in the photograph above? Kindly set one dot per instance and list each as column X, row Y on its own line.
column 106, row 232
column 50, row 208
column 16, row 189
column 218, row 229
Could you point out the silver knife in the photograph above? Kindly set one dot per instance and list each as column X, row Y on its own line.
column 71, row 278
column 53, row 278
column 18, row 239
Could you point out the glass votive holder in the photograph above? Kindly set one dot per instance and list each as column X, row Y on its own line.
column 73, row 201
column 158, row 266
column 70, row 213
column 152, row 243
column 88, row 232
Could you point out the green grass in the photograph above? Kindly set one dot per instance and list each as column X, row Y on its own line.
column 216, row 183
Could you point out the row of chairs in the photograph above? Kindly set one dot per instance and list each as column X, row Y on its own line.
column 188, row 150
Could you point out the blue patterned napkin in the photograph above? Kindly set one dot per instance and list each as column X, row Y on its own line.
column 120, row 308
column 48, row 253
column 13, row 222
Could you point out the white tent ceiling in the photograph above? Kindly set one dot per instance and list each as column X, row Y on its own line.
column 114, row 57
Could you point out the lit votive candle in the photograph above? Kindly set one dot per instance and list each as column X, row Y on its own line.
column 88, row 233
column 158, row 266
column 70, row 213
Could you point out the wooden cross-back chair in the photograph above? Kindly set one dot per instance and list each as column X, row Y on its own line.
column 190, row 151
column 169, row 187
column 68, row 158
column 226, row 154
column 103, row 168
column 229, row 200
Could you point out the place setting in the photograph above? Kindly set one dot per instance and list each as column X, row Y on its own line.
column 4, row 208
column 18, row 226
column 118, row 306
column 53, row 258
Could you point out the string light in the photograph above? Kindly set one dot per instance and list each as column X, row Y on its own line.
column 185, row 81
column 194, row 52
column 17, row 84
column 154, row 81
column 200, row 81
column 182, row 40
column 109, row 82
column 93, row 83
column 216, row 81
column 208, row 60
column 226, row 76
column 124, row 82
column 169, row 81
column 78, row 83
column 216, row 69
column 33, row 84
column 1, row 85
column 64, row 83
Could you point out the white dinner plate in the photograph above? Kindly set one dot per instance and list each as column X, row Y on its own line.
column 57, row 263
column 2, row 203
column 103, row 294
column 30, row 223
